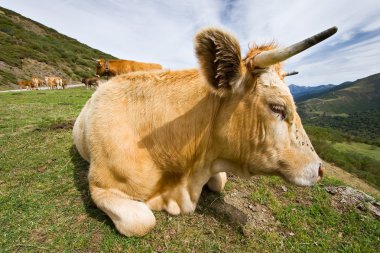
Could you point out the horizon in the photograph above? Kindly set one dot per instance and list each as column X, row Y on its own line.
column 163, row 31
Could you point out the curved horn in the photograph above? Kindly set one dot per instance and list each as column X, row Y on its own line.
column 94, row 59
column 290, row 73
column 267, row 58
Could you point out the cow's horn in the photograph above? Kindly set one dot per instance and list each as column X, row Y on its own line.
column 291, row 73
column 267, row 58
column 94, row 59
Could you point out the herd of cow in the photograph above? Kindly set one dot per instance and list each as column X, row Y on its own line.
column 104, row 67
column 51, row 82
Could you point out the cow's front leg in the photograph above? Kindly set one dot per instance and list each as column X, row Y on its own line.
column 131, row 218
column 180, row 199
column 217, row 182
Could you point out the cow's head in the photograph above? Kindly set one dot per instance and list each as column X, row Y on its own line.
column 259, row 127
column 100, row 67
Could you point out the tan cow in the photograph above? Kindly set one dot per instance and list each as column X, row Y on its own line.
column 155, row 141
column 54, row 82
column 117, row 67
column 36, row 82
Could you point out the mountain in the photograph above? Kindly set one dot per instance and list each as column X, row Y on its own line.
column 28, row 48
column 353, row 107
column 301, row 93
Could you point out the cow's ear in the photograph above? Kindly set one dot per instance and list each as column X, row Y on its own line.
column 219, row 56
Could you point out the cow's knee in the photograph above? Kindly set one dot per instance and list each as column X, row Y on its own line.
column 131, row 218
column 217, row 182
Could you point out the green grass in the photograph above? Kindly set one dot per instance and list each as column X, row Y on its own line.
column 357, row 158
column 370, row 151
column 45, row 204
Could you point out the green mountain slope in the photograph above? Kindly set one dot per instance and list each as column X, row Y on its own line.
column 28, row 49
column 353, row 107
column 301, row 93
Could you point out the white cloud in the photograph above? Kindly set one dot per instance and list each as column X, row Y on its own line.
column 163, row 31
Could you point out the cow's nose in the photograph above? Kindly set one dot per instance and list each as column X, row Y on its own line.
column 320, row 170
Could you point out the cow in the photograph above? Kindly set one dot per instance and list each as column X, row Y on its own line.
column 54, row 82
column 36, row 82
column 116, row 67
column 64, row 83
column 24, row 84
column 90, row 81
column 154, row 139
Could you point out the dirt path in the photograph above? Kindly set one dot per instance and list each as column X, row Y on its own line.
column 351, row 180
column 44, row 88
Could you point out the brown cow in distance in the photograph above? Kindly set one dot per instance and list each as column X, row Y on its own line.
column 90, row 81
column 117, row 67
column 24, row 84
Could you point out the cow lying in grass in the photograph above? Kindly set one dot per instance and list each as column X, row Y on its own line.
column 154, row 139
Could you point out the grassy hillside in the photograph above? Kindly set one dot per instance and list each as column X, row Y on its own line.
column 28, row 49
column 45, row 204
column 347, row 152
column 353, row 107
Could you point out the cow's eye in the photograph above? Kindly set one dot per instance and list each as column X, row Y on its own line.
column 279, row 110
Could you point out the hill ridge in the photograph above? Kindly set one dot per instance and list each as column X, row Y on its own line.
column 31, row 49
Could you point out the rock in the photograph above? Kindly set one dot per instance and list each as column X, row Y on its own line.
column 236, row 209
column 284, row 189
column 344, row 196
column 375, row 210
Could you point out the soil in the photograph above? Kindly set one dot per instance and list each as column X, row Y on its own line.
column 235, row 208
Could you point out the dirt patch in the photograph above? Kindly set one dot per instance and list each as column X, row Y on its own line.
column 27, row 25
column 344, row 197
column 238, row 211
column 40, row 69
column 63, row 125
column 38, row 235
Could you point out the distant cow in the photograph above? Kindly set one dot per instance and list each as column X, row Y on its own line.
column 90, row 81
column 36, row 82
column 24, row 84
column 54, row 82
column 154, row 139
column 64, row 83
column 117, row 67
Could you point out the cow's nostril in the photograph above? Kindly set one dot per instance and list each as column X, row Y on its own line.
column 320, row 170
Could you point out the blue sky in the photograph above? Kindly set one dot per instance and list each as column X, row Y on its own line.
column 162, row 31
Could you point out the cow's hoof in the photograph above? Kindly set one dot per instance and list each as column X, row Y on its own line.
column 217, row 182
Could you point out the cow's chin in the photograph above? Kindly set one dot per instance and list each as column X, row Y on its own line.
column 307, row 176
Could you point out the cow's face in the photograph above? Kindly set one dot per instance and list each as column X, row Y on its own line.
column 100, row 67
column 259, row 127
column 282, row 146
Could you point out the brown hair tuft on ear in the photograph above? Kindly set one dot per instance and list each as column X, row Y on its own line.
column 219, row 58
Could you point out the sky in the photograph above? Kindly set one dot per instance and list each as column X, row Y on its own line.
column 162, row 31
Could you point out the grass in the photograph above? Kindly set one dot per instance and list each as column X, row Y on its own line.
column 339, row 148
column 45, row 204
column 370, row 151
